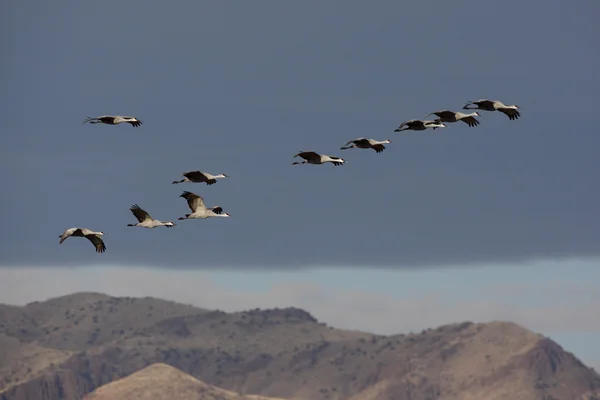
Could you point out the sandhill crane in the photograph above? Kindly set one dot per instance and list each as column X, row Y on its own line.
column 419, row 125
column 113, row 120
column 363, row 143
column 145, row 220
column 451, row 116
column 199, row 177
column 310, row 157
column 512, row 111
column 90, row 235
column 199, row 210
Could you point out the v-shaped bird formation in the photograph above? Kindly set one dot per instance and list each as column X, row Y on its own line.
column 196, row 203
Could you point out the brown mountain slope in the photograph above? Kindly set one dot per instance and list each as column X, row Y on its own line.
column 282, row 353
column 163, row 382
column 79, row 321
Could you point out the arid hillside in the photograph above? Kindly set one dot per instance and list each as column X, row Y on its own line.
column 65, row 348
column 164, row 382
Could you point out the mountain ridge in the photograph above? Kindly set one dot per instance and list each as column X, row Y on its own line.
column 68, row 346
column 161, row 381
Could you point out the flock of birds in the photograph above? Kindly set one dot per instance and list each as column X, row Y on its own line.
column 196, row 203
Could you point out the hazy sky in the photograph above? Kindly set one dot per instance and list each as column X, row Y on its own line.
column 240, row 87
column 556, row 299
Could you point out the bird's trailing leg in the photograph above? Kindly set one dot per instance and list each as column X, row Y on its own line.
column 181, row 181
column 92, row 120
column 347, row 147
column 298, row 162
column 400, row 130
column 182, row 218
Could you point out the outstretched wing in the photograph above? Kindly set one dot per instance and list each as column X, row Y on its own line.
column 442, row 114
column 411, row 123
column 196, row 176
column 357, row 141
column 107, row 119
column 140, row 214
column 471, row 121
column 194, row 201
column 309, row 155
column 134, row 121
column 337, row 161
column 97, row 242
column 511, row 113
column 70, row 232
column 378, row 148
column 485, row 103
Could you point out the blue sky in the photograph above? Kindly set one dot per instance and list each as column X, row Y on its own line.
column 239, row 87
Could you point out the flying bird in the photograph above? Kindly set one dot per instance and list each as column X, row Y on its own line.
column 199, row 177
column 512, row 111
column 113, row 120
column 145, row 220
column 310, row 157
column 419, row 125
column 199, row 210
column 451, row 116
column 90, row 235
column 363, row 143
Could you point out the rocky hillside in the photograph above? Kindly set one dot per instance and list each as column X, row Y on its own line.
column 163, row 382
column 67, row 347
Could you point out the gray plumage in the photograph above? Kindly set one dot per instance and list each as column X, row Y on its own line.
column 199, row 177
column 364, row 143
column 451, row 116
column 90, row 235
column 199, row 210
column 310, row 157
column 511, row 111
column 113, row 120
column 419, row 125
column 145, row 220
